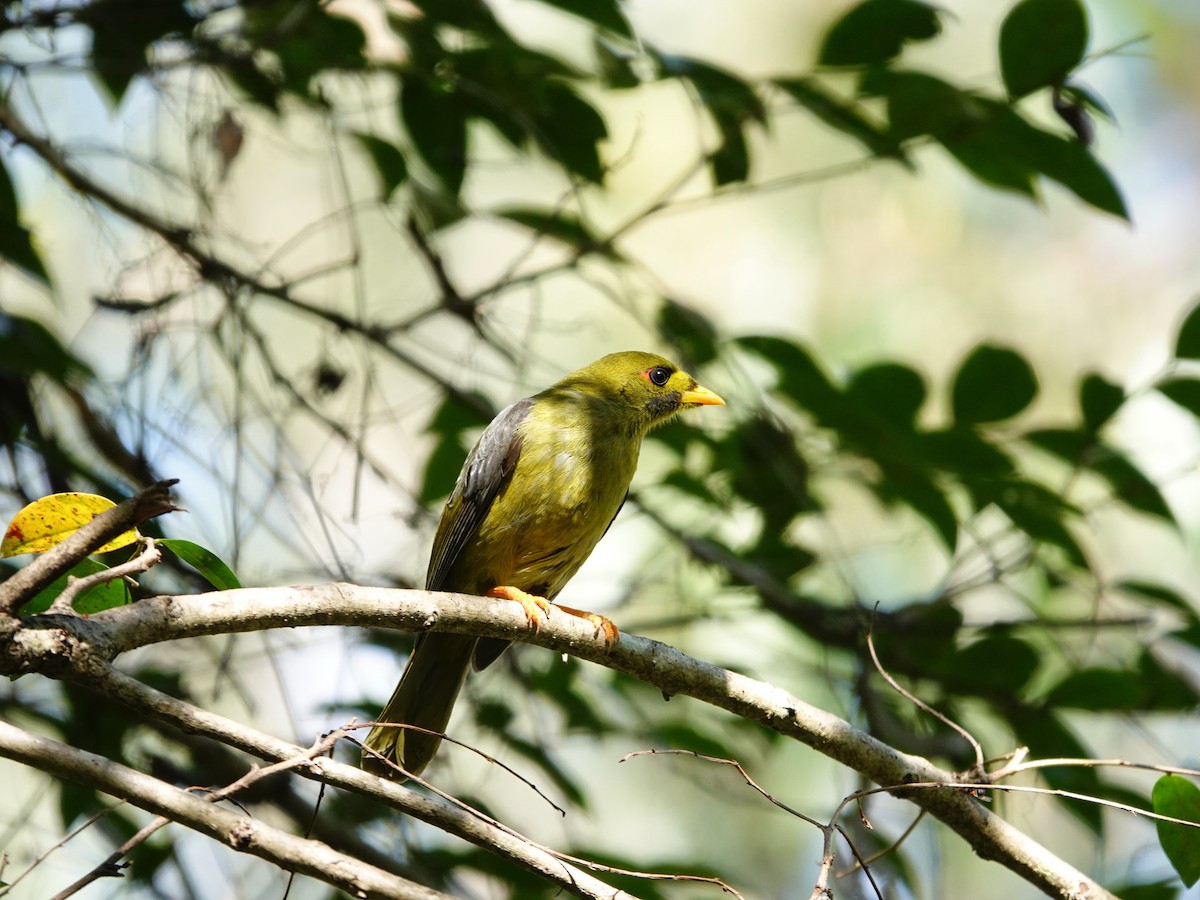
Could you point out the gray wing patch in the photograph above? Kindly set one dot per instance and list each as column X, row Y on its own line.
column 488, row 466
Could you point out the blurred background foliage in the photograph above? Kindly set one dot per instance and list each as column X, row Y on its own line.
column 296, row 254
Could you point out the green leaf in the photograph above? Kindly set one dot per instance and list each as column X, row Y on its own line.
column 558, row 682
column 993, row 383
column 101, row 596
column 770, row 472
column 318, row 41
column 1164, row 689
column 1071, row 446
column 1157, row 593
column 729, row 98
column 455, row 415
column 800, row 378
column 27, row 346
column 1041, row 43
column 204, row 561
column 390, row 164
column 441, row 469
column 1189, row 635
column 516, row 90
column 1097, row 689
column 605, row 14
column 891, row 391
column 1187, row 344
column 616, row 65
column 434, row 207
column 689, row 484
column 1064, row 160
column 436, row 121
column 257, row 86
column 1099, row 401
column 561, row 226
column 122, row 32
column 1047, row 735
column 570, row 132
column 1081, row 450
column 920, row 104
column 964, row 452
column 683, row 736
column 731, row 102
column 497, row 718
column 995, row 664
column 916, row 490
column 990, row 150
column 1002, row 148
column 730, row 162
column 1038, row 512
column 1164, row 889
column 688, row 330
column 16, row 241
column 1183, row 392
column 1087, row 100
column 990, row 139
column 843, row 115
column 1179, row 798
column 875, row 31
column 1128, row 483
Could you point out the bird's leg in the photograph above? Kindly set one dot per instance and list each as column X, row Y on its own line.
column 535, row 607
column 600, row 623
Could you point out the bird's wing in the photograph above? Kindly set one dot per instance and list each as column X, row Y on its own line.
column 488, row 467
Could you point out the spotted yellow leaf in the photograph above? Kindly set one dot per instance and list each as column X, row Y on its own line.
column 53, row 519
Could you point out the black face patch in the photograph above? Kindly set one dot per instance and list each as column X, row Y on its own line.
column 658, row 407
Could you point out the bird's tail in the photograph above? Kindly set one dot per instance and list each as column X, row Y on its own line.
column 424, row 697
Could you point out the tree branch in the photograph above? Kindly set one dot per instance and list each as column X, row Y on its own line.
column 209, row 265
column 146, row 504
column 49, row 639
column 485, row 833
column 237, row 830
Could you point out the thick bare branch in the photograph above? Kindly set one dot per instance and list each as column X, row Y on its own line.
column 502, row 841
column 673, row 672
column 237, row 830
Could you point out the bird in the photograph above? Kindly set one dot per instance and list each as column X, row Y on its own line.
column 535, row 495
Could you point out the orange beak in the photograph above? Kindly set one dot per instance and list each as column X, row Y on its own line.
column 700, row 396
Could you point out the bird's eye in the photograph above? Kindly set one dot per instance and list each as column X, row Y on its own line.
column 659, row 375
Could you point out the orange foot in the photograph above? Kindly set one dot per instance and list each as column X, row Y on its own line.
column 601, row 624
column 535, row 607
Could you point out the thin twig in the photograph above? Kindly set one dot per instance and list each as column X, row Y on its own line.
column 401, row 772
column 1023, row 766
column 921, row 704
column 111, row 865
column 62, row 842
column 895, row 845
column 972, row 789
column 675, row 751
column 566, row 857
column 828, row 829
column 146, row 504
column 64, row 603
column 451, row 816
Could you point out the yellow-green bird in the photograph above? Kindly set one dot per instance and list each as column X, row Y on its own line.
column 535, row 495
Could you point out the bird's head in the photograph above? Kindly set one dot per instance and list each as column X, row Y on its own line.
column 644, row 389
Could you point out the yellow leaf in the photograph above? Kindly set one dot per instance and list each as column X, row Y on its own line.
column 53, row 519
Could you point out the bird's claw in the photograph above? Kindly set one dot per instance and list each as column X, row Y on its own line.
column 601, row 624
column 536, row 608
